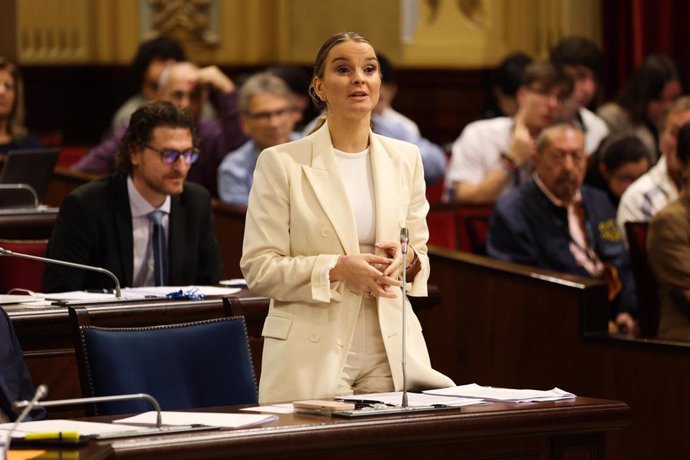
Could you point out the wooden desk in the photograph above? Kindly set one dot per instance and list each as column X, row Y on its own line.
column 504, row 324
column 563, row 430
column 48, row 344
column 28, row 226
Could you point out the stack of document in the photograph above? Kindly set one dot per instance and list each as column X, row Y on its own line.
column 502, row 394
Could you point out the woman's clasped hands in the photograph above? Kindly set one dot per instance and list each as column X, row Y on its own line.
column 371, row 274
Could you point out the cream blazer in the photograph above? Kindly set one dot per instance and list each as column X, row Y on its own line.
column 299, row 220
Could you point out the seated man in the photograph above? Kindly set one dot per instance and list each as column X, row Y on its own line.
column 152, row 57
column 555, row 222
column 186, row 86
column 582, row 59
column 661, row 184
column 492, row 156
column 144, row 223
column 668, row 250
column 266, row 118
column 15, row 381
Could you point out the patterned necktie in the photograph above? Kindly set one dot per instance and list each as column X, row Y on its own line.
column 159, row 248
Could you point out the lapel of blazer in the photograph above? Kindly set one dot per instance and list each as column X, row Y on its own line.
column 324, row 176
column 177, row 229
column 387, row 189
column 123, row 229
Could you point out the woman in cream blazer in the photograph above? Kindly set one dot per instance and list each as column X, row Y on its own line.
column 301, row 236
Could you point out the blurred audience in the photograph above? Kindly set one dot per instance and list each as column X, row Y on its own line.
column 643, row 103
column 661, row 184
column 505, row 81
column 491, row 157
column 389, row 89
column 13, row 133
column 297, row 78
column 582, row 60
column 668, row 250
column 188, row 87
column 621, row 159
column 152, row 57
column 555, row 222
column 267, row 118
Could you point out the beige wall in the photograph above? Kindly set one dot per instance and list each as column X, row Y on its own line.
column 446, row 33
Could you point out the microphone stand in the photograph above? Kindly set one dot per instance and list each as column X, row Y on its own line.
column 40, row 393
column 97, row 399
column 118, row 293
column 404, row 239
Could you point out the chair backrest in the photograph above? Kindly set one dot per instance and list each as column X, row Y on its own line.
column 472, row 228
column 645, row 285
column 22, row 273
column 197, row 364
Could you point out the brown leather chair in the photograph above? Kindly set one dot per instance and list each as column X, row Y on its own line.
column 645, row 285
column 22, row 273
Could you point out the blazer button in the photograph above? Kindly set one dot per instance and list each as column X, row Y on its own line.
column 325, row 232
column 313, row 337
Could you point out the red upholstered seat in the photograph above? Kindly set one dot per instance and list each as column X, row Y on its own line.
column 22, row 273
column 472, row 228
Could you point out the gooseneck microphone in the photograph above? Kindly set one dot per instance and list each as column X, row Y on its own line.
column 22, row 186
column 118, row 293
column 404, row 240
column 41, row 392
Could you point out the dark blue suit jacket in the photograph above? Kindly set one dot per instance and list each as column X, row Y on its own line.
column 15, row 381
column 527, row 228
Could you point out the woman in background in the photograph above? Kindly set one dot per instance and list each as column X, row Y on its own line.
column 645, row 100
column 322, row 240
column 620, row 160
column 13, row 133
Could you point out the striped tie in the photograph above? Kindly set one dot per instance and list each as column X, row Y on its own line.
column 159, row 248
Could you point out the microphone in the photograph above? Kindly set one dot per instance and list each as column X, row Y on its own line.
column 94, row 399
column 41, row 392
column 404, row 240
column 118, row 293
column 22, row 186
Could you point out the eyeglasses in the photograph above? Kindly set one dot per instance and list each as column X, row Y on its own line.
column 170, row 156
column 560, row 96
column 266, row 116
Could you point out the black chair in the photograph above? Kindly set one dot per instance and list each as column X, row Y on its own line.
column 184, row 366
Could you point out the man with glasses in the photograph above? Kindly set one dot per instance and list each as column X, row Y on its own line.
column 188, row 87
column 492, row 156
column 265, row 115
column 555, row 222
column 144, row 223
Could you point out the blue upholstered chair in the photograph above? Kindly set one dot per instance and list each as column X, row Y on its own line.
column 184, row 366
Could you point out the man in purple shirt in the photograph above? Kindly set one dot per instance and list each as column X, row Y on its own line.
column 188, row 87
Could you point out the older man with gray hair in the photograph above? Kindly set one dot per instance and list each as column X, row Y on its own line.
column 265, row 116
column 555, row 222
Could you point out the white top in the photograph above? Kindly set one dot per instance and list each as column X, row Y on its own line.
column 142, row 274
column 355, row 169
column 478, row 151
column 647, row 195
column 595, row 130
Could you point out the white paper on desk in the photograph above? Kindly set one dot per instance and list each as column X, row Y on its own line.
column 502, row 394
column 413, row 399
column 6, row 299
column 83, row 428
column 162, row 291
column 79, row 295
column 285, row 408
column 223, row 420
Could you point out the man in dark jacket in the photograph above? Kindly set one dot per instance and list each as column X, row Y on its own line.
column 555, row 222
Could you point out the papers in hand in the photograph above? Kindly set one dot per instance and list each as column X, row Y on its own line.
column 223, row 420
column 502, row 394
